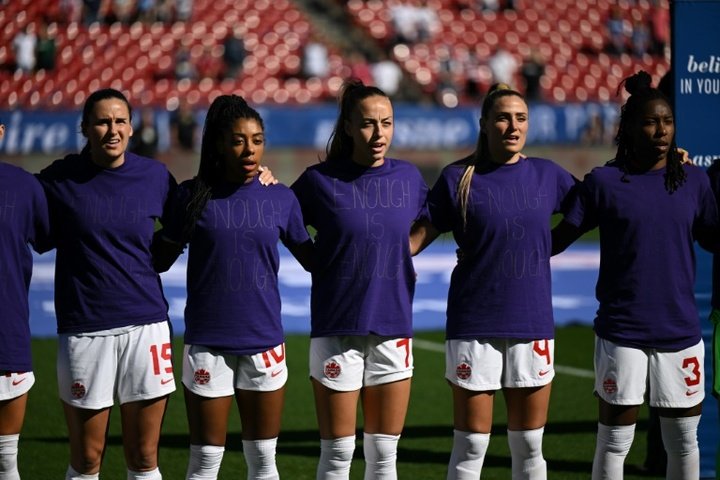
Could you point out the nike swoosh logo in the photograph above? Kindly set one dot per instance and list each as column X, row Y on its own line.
column 276, row 373
column 691, row 393
column 18, row 382
column 542, row 373
column 165, row 381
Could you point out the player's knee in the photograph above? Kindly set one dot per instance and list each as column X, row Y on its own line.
column 680, row 434
column 142, row 456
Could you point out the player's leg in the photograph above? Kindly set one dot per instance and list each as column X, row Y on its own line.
column 385, row 399
column 336, row 370
column 86, row 371
column 677, row 388
column 529, row 370
column 474, row 370
column 145, row 379
column 620, row 380
column 14, row 389
column 208, row 386
column 260, row 394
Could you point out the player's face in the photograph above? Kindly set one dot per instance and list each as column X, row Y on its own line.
column 242, row 148
column 654, row 131
column 108, row 130
column 371, row 128
column 506, row 128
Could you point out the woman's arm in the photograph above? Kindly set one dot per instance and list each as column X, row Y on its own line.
column 422, row 234
column 164, row 252
column 304, row 254
column 563, row 235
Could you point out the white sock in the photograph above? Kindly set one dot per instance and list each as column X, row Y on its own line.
column 71, row 474
column 335, row 458
column 380, row 456
column 613, row 445
column 260, row 459
column 680, row 438
column 526, row 451
column 204, row 462
column 468, row 455
column 8, row 457
column 153, row 474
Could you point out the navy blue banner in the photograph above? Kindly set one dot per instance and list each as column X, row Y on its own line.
column 419, row 128
column 696, row 67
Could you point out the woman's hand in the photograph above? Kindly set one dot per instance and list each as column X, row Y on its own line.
column 266, row 177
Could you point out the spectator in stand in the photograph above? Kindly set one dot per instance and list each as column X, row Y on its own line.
column 183, row 126
column 660, row 26
column 640, row 39
column 24, row 47
column 71, row 11
column 91, row 11
column 532, row 70
column 503, row 67
column 403, row 23
column 147, row 11
column 316, row 63
column 183, row 10
column 617, row 31
column 387, row 75
column 234, row 53
column 144, row 141
column 426, row 21
column 122, row 11
column 45, row 49
column 184, row 67
column 209, row 64
column 360, row 68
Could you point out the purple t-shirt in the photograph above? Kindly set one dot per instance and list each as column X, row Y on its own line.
column 364, row 278
column 23, row 223
column 714, row 173
column 502, row 286
column 102, row 221
column 233, row 302
column 647, row 260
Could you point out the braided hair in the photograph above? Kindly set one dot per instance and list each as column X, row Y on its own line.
column 481, row 155
column 223, row 111
column 641, row 91
column 340, row 145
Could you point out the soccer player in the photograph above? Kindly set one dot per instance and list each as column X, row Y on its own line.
column 24, row 223
column 234, row 341
column 500, row 329
column 649, row 208
column 362, row 204
column 114, row 333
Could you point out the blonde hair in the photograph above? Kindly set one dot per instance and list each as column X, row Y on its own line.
column 496, row 91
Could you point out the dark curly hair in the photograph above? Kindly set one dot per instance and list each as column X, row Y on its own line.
column 641, row 91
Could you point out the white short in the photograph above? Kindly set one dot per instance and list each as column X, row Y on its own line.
column 675, row 379
column 491, row 364
column 209, row 373
column 15, row 384
column 133, row 365
column 347, row 363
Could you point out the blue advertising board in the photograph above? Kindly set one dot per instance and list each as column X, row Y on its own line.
column 416, row 127
column 696, row 67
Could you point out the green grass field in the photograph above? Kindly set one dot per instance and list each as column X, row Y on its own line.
column 424, row 447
